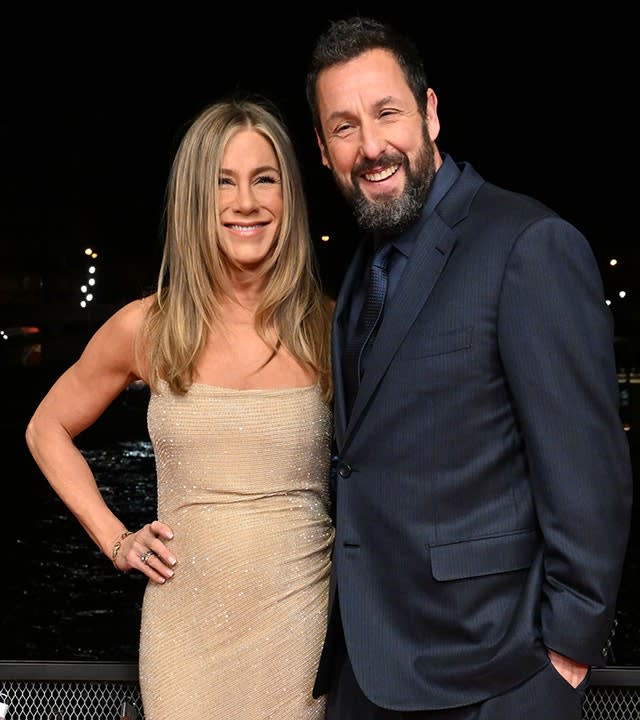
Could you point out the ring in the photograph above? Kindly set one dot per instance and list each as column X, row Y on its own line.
column 145, row 556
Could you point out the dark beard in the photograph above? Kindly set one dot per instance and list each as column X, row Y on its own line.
column 394, row 215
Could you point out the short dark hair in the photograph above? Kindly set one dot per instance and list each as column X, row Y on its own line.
column 348, row 38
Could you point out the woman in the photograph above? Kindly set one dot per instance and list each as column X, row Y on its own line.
column 234, row 346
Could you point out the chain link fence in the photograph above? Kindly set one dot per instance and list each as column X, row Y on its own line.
column 109, row 691
column 71, row 691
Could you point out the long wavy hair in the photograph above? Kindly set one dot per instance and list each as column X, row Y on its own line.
column 193, row 279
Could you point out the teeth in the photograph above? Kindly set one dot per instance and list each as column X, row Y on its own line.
column 244, row 228
column 382, row 175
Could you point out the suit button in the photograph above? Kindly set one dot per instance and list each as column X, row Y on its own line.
column 344, row 470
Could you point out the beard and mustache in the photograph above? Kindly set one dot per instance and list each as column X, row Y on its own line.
column 392, row 215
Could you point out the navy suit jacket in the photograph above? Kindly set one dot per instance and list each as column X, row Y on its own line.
column 483, row 485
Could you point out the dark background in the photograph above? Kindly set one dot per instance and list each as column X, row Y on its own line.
column 91, row 110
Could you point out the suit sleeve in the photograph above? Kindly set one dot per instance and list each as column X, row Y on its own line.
column 556, row 346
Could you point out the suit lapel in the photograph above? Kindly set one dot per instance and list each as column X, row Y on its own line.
column 429, row 256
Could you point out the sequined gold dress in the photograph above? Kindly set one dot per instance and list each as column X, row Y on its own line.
column 243, row 481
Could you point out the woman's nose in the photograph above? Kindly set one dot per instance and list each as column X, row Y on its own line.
column 244, row 199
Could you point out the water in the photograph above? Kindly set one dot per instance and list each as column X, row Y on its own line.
column 63, row 600
column 61, row 597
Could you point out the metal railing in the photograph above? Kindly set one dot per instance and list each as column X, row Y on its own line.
column 110, row 691
column 71, row 691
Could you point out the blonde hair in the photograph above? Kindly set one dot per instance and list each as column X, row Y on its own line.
column 193, row 276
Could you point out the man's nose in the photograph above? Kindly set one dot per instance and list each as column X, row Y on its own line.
column 372, row 140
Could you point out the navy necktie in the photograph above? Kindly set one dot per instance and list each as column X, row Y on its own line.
column 366, row 327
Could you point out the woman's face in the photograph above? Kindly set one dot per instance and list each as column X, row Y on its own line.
column 250, row 198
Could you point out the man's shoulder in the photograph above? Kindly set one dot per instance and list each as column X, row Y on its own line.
column 503, row 202
column 472, row 198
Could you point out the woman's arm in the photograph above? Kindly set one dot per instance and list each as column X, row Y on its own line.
column 74, row 403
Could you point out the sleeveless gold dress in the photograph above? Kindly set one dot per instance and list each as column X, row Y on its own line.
column 243, row 481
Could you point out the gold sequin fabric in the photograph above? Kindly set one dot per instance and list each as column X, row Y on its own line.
column 243, row 481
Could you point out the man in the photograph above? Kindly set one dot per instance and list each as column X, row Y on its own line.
column 483, row 478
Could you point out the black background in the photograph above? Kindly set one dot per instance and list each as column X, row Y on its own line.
column 93, row 108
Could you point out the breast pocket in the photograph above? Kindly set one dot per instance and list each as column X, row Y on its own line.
column 439, row 344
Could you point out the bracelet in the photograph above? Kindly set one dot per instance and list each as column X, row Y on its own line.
column 117, row 545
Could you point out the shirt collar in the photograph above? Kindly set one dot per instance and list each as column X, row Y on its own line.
column 445, row 177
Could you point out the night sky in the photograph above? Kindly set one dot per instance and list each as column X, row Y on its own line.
column 92, row 110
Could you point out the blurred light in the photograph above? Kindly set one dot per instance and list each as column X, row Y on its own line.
column 613, row 262
column 608, row 302
column 91, row 281
column 622, row 293
column 324, row 238
column 19, row 331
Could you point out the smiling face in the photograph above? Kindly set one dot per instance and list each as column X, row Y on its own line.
column 379, row 145
column 250, row 198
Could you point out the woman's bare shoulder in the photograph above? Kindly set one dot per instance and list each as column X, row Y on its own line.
column 118, row 335
column 131, row 315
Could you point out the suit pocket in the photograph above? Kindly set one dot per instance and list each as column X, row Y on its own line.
column 440, row 344
column 484, row 556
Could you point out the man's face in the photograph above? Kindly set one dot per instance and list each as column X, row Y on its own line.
column 378, row 143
